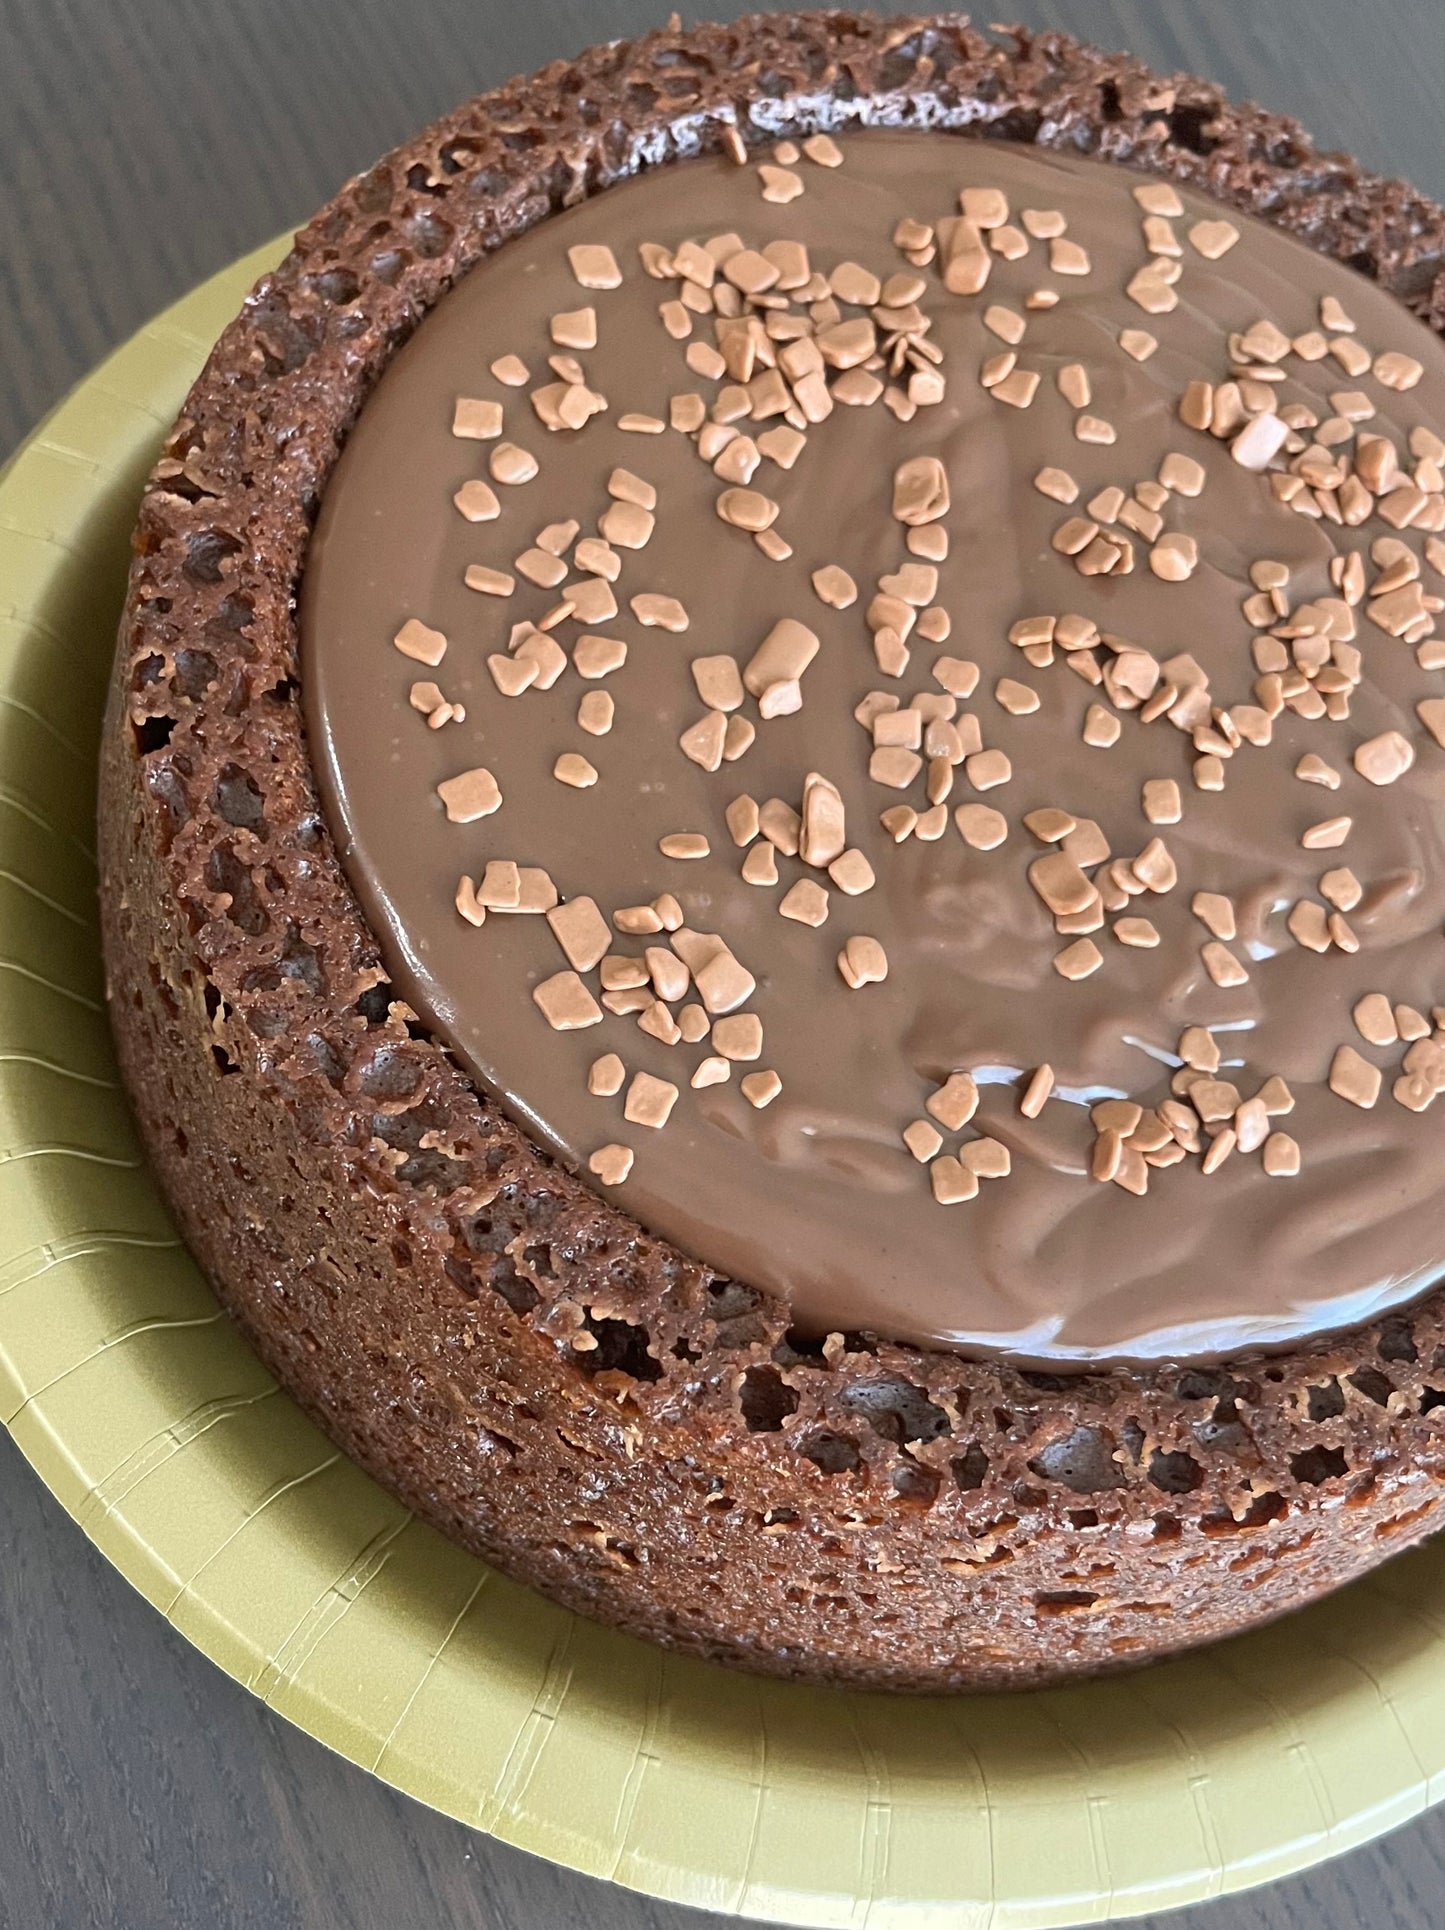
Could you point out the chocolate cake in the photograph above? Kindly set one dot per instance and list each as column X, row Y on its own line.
column 773, row 855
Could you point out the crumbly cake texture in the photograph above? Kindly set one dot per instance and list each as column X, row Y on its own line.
column 521, row 1363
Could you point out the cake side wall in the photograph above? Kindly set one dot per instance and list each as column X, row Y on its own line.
column 587, row 1408
column 677, row 1527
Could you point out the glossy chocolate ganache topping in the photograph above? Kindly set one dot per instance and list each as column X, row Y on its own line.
column 941, row 638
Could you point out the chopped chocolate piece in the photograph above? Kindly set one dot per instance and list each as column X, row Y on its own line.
column 469, row 796
column 595, row 266
column 1384, row 759
column 566, row 1004
column 1354, row 1078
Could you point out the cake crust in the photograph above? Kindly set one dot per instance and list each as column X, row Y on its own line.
column 582, row 1405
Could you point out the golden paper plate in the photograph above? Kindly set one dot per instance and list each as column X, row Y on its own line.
column 153, row 1424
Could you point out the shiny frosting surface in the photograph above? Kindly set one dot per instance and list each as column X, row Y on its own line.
column 815, row 1195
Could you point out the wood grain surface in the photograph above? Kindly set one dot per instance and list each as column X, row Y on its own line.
column 143, row 144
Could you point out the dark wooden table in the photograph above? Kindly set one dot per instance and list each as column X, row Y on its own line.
column 143, row 144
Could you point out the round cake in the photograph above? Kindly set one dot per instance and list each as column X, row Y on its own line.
column 773, row 856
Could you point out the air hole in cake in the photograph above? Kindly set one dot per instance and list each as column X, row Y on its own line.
column 766, row 1400
column 1432, row 1398
column 1224, row 1432
column 913, row 1483
column 798, row 1346
column 430, row 1168
column 1200, row 1385
column 230, row 619
column 858, row 1343
column 287, row 342
column 487, row 183
column 327, row 1059
column 266, row 1023
column 228, row 877
column 164, row 787
column 1015, row 124
column 1396, row 1342
column 237, row 798
column 184, row 488
column 1175, row 1473
column 1047, row 1383
column 428, row 235
column 729, row 1299
column 621, row 1348
column 1262, row 1510
column 462, row 1276
column 389, row 1075
column 1064, row 1601
column 897, row 1409
column 772, row 86
column 1083, row 1461
column 970, row 1469
column 339, row 286
column 1191, row 125
column 1374, row 1385
column 1409, row 1519
column 373, row 190
column 455, row 157
column 833, row 1453
column 777, row 1518
column 1325, row 1400
column 1318, row 1464
column 503, row 1278
column 374, row 1002
column 901, row 63
column 195, row 673
column 207, row 553
column 153, row 734
column 1414, row 279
